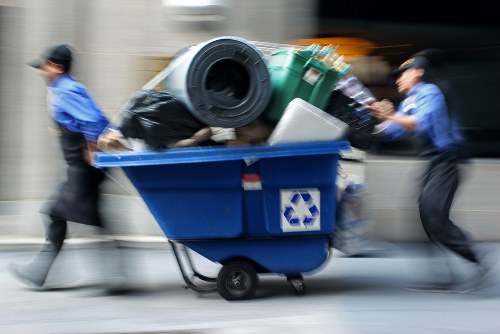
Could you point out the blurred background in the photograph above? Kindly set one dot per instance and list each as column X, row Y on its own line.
column 122, row 44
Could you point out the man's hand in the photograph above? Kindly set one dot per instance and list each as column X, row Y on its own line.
column 382, row 110
column 89, row 152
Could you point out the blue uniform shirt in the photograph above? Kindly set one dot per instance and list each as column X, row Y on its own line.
column 426, row 103
column 71, row 105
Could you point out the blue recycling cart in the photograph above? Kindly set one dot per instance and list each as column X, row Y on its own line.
column 253, row 209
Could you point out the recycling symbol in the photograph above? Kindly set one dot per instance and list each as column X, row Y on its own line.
column 300, row 210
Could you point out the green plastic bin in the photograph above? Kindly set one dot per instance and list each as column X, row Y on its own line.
column 296, row 74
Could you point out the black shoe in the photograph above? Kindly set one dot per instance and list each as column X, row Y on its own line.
column 486, row 277
column 25, row 275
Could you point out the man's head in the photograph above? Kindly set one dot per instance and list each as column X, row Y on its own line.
column 436, row 57
column 410, row 73
column 54, row 61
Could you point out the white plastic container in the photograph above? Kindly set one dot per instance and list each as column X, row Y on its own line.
column 303, row 122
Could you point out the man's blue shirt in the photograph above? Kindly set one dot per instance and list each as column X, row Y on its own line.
column 426, row 103
column 71, row 105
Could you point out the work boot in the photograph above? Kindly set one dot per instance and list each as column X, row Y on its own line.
column 27, row 275
column 473, row 280
column 35, row 273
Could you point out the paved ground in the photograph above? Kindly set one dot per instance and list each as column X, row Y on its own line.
column 348, row 295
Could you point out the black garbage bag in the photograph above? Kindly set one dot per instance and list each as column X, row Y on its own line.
column 158, row 118
column 358, row 117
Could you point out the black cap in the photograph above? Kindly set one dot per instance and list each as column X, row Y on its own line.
column 57, row 54
column 435, row 57
column 413, row 62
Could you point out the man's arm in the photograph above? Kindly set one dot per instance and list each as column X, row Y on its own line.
column 89, row 154
column 407, row 121
column 385, row 112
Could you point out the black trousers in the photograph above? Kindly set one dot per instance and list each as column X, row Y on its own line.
column 55, row 235
column 439, row 185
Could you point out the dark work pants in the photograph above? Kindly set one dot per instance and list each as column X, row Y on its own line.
column 55, row 236
column 56, row 233
column 438, row 190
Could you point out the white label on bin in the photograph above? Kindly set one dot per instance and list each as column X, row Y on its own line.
column 300, row 210
column 311, row 76
column 251, row 182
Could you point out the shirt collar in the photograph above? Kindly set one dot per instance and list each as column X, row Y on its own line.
column 57, row 82
column 415, row 89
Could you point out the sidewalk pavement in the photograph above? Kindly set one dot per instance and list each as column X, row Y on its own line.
column 348, row 295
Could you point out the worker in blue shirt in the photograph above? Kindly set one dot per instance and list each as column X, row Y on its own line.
column 71, row 106
column 429, row 119
column 78, row 122
column 423, row 113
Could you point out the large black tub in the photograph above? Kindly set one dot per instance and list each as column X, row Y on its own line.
column 223, row 82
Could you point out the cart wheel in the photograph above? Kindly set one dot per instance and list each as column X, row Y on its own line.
column 237, row 281
column 298, row 285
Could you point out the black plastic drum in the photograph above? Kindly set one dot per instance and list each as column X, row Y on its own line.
column 223, row 82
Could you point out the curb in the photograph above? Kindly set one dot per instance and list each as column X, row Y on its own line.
column 29, row 244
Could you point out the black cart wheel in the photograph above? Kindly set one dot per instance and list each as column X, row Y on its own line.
column 237, row 281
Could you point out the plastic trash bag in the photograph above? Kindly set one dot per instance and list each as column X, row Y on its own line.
column 351, row 222
column 158, row 118
column 358, row 117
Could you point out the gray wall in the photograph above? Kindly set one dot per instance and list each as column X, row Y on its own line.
column 121, row 45
column 392, row 185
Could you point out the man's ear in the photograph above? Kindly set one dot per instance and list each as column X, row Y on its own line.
column 57, row 68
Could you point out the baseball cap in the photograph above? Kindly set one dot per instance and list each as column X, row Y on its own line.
column 57, row 54
column 413, row 62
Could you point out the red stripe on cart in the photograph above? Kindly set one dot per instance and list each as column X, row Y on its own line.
column 251, row 182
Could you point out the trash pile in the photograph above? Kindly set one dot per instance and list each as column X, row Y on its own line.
column 348, row 103
column 227, row 92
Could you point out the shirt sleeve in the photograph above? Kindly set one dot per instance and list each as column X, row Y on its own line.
column 87, row 118
column 392, row 130
column 428, row 104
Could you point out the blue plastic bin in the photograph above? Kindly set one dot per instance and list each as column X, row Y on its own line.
column 273, row 206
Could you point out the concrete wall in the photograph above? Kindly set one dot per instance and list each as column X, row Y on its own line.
column 121, row 45
column 393, row 192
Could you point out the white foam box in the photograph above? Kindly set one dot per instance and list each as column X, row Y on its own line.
column 303, row 122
